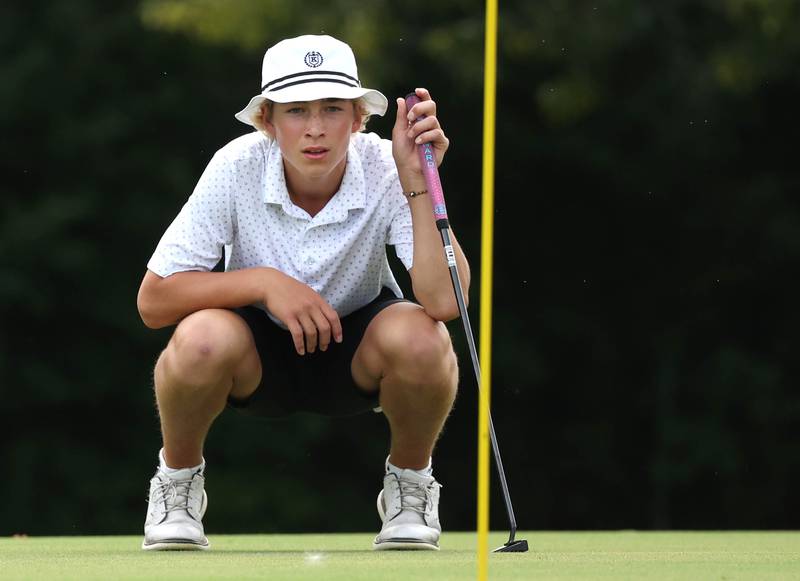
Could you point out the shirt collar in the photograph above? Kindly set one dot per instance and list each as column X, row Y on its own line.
column 275, row 191
column 352, row 194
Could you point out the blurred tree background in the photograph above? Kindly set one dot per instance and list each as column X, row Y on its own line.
column 647, row 229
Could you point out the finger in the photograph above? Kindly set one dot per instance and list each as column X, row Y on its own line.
column 333, row 319
column 427, row 124
column 323, row 329
column 435, row 136
column 422, row 109
column 297, row 336
column 310, row 331
column 423, row 93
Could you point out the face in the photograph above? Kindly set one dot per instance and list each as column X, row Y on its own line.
column 313, row 137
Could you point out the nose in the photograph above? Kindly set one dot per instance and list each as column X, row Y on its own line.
column 315, row 126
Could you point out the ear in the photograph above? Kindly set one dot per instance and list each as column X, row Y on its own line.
column 356, row 126
column 267, row 123
column 269, row 127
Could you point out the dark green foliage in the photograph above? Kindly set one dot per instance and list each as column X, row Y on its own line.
column 647, row 235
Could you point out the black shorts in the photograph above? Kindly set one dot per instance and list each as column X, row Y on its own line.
column 318, row 382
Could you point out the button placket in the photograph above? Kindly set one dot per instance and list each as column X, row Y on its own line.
column 306, row 253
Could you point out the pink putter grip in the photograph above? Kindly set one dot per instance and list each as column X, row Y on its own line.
column 427, row 160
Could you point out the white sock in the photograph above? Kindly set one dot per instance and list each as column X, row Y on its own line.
column 178, row 472
column 428, row 471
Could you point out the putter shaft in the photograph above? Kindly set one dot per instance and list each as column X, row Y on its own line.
column 462, row 309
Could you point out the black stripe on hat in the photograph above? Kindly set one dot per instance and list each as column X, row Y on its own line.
column 341, row 82
column 337, row 73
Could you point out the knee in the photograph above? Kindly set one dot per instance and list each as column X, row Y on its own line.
column 205, row 341
column 421, row 346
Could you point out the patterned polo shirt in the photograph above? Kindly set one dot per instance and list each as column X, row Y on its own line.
column 241, row 204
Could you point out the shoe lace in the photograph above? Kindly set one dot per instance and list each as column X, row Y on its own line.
column 173, row 493
column 416, row 496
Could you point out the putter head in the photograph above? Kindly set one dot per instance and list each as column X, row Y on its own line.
column 520, row 546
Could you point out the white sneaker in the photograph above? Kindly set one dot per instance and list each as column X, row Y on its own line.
column 409, row 508
column 174, row 513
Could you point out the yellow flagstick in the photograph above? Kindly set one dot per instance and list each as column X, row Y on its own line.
column 487, row 238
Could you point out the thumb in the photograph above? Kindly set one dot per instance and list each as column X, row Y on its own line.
column 401, row 121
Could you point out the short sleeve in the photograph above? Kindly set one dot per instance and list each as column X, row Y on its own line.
column 401, row 234
column 195, row 239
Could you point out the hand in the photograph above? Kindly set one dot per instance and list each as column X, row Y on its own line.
column 407, row 134
column 310, row 319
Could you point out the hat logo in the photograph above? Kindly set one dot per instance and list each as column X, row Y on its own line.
column 313, row 59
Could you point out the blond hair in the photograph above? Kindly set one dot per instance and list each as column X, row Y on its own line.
column 265, row 110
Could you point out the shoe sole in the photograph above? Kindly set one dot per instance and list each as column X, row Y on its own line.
column 176, row 545
column 404, row 545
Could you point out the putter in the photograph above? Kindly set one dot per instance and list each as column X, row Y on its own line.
column 428, row 161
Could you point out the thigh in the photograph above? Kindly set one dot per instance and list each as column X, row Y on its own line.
column 247, row 373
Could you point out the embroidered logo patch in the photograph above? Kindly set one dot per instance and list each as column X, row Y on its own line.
column 313, row 59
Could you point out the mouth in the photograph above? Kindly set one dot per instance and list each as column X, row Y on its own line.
column 315, row 152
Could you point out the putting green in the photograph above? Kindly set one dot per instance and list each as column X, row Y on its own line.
column 561, row 555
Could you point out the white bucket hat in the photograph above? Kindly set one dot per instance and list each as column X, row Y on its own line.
column 308, row 68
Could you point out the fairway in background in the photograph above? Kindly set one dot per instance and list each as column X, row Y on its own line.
column 557, row 556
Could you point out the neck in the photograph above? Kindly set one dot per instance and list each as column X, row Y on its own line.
column 313, row 193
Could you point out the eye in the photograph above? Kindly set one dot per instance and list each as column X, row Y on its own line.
column 333, row 108
column 294, row 110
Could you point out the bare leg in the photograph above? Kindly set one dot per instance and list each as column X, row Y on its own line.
column 409, row 357
column 211, row 355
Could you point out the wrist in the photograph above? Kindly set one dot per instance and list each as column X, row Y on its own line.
column 414, row 193
column 263, row 282
column 413, row 183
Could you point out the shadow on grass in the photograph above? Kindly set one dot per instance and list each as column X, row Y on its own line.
column 310, row 551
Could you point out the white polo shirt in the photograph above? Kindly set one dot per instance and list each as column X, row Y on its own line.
column 241, row 203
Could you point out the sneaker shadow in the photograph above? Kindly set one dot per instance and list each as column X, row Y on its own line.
column 287, row 552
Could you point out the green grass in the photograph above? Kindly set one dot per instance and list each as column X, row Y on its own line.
column 562, row 555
